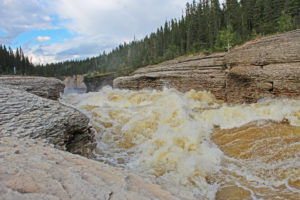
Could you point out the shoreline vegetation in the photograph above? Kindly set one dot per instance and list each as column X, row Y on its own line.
column 206, row 27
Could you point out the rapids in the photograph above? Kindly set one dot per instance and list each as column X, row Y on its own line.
column 217, row 150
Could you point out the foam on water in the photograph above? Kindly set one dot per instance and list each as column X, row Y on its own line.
column 167, row 134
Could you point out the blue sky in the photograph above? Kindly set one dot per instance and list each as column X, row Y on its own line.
column 57, row 30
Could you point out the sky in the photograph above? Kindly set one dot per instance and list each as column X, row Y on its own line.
column 57, row 30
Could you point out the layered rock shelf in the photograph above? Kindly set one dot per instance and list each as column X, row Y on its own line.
column 266, row 67
column 49, row 88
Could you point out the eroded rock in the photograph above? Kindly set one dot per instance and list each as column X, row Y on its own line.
column 41, row 172
column 26, row 115
column 49, row 88
column 251, row 83
column 280, row 48
column 266, row 67
column 95, row 82
column 197, row 72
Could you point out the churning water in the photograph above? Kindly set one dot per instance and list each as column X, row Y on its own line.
column 217, row 150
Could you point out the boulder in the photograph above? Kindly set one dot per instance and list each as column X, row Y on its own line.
column 49, row 88
column 25, row 115
column 33, row 170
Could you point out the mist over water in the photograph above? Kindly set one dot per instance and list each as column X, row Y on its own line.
column 197, row 142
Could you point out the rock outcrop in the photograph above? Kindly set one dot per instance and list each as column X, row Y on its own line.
column 95, row 82
column 33, row 170
column 27, row 115
column 266, row 67
column 196, row 72
column 49, row 88
column 280, row 48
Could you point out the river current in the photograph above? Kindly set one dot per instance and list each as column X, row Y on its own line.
column 215, row 149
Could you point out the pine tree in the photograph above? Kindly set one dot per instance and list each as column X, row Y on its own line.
column 285, row 22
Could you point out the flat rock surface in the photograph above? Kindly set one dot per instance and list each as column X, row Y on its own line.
column 33, row 170
column 26, row 115
column 49, row 88
column 279, row 48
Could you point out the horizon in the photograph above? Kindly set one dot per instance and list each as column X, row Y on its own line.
column 64, row 30
column 61, row 30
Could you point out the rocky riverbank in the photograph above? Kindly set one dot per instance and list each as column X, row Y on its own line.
column 36, row 134
column 266, row 67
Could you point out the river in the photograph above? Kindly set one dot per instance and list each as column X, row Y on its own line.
column 215, row 149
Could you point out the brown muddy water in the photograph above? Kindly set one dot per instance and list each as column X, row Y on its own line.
column 216, row 150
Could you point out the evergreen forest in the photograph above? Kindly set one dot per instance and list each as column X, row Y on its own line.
column 206, row 26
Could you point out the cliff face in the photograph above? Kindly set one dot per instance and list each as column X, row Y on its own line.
column 197, row 72
column 95, row 83
column 268, row 67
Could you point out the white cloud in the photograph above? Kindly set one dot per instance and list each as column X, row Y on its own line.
column 73, row 48
column 19, row 16
column 98, row 25
column 118, row 19
column 43, row 38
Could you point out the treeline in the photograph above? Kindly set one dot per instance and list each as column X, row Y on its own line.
column 14, row 62
column 205, row 27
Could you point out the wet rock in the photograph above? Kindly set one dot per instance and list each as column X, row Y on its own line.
column 49, row 88
column 42, row 172
column 26, row 115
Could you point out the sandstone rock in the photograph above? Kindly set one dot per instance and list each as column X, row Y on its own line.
column 197, row 72
column 95, row 83
column 26, row 115
column 280, row 48
column 251, row 83
column 41, row 172
column 44, row 87
column 267, row 67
